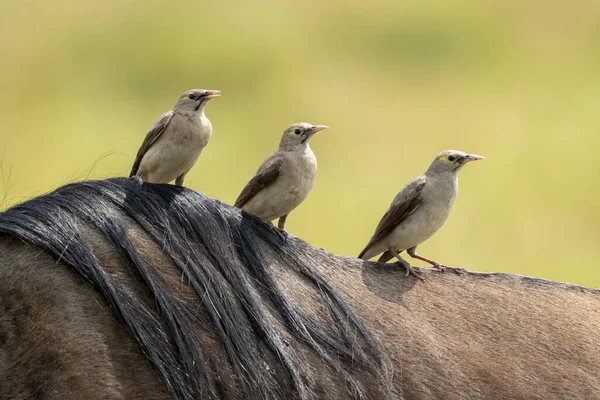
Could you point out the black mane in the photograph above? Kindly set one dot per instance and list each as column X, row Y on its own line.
column 224, row 255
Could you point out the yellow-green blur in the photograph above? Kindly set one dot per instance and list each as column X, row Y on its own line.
column 396, row 81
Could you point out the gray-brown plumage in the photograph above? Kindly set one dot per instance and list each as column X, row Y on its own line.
column 175, row 141
column 418, row 211
column 284, row 179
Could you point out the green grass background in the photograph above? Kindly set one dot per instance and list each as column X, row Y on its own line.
column 397, row 82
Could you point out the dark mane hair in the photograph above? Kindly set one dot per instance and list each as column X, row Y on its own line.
column 226, row 257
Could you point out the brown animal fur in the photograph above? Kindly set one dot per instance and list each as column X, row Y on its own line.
column 468, row 336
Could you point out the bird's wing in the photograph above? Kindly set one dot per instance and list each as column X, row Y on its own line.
column 267, row 174
column 154, row 133
column 405, row 203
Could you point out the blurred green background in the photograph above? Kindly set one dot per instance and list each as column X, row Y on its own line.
column 397, row 82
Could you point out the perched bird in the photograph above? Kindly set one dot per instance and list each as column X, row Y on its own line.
column 284, row 179
column 418, row 211
column 175, row 141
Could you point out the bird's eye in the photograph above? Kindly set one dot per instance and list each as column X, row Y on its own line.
column 192, row 96
column 297, row 131
column 451, row 158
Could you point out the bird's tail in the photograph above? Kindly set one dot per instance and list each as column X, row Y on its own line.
column 366, row 253
column 136, row 178
column 370, row 252
column 385, row 257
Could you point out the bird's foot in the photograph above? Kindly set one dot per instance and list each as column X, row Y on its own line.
column 282, row 233
column 411, row 271
column 443, row 268
column 217, row 200
column 138, row 179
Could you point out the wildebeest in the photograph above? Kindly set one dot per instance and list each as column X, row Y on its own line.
column 113, row 290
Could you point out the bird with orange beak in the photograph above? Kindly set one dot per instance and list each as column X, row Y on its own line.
column 175, row 141
column 418, row 211
column 284, row 179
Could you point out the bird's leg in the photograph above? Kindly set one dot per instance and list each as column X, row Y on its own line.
column 281, row 227
column 409, row 269
column 179, row 180
column 413, row 253
column 281, row 222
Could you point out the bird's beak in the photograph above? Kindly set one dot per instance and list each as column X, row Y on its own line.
column 211, row 94
column 318, row 128
column 473, row 157
column 310, row 132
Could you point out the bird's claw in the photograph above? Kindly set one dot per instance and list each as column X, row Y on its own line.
column 411, row 271
column 282, row 233
column 218, row 201
column 138, row 179
column 443, row 268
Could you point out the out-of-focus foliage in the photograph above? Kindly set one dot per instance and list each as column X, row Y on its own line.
column 397, row 82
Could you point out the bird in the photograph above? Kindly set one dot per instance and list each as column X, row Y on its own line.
column 418, row 211
column 175, row 140
column 284, row 179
